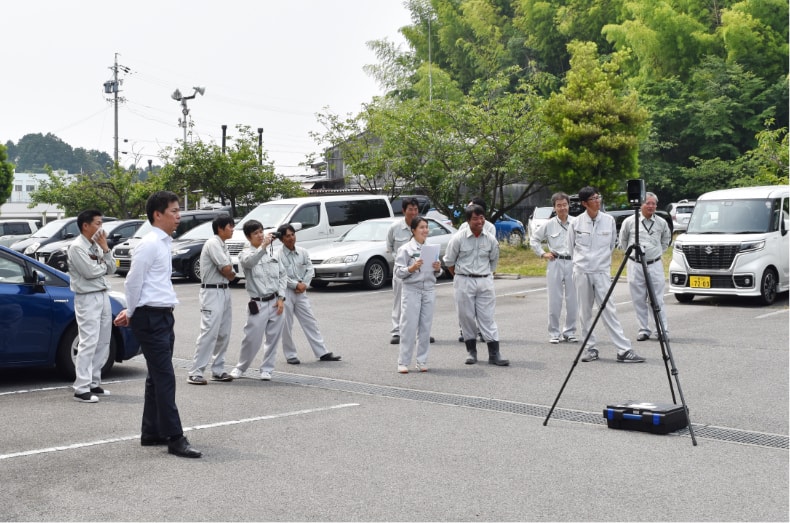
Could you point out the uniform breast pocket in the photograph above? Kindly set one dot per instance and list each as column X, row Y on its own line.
column 583, row 238
column 554, row 236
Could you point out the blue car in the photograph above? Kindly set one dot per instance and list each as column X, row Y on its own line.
column 37, row 321
column 510, row 230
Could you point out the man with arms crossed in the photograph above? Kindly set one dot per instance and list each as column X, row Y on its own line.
column 216, row 312
column 559, row 273
column 90, row 261
column 150, row 299
column 654, row 238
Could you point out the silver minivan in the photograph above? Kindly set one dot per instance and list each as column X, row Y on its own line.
column 319, row 220
column 736, row 244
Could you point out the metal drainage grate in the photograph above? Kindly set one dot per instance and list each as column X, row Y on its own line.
column 744, row 437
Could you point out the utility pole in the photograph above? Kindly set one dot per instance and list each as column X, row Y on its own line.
column 113, row 87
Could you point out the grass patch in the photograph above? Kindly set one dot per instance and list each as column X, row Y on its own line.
column 522, row 261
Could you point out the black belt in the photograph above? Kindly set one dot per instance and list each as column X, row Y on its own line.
column 270, row 297
column 648, row 262
column 213, row 285
column 154, row 309
column 560, row 257
column 476, row 275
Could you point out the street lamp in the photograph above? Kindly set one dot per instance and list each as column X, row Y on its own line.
column 184, row 109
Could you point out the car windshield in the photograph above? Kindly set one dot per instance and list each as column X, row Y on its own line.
column 367, row 232
column 201, row 232
column 543, row 213
column 270, row 215
column 49, row 229
column 730, row 217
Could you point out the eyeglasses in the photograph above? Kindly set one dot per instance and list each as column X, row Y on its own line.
column 595, row 198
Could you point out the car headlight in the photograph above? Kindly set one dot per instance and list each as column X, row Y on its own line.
column 349, row 258
column 755, row 245
column 33, row 247
column 178, row 252
column 63, row 250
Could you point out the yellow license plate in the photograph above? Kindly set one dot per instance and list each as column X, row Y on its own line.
column 699, row 282
column 117, row 263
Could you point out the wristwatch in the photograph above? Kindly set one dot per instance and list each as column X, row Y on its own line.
column 281, row 298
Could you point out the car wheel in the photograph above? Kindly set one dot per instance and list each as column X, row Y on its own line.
column 66, row 358
column 684, row 298
column 318, row 284
column 194, row 269
column 768, row 285
column 375, row 275
column 120, row 273
column 515, row 238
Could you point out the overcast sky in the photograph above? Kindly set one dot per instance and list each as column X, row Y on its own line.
column 264, row 63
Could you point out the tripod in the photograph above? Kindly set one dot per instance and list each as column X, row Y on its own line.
column 666, row 352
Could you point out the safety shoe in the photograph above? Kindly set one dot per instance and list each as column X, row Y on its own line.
column 197, row 380
column 421, row 367
column 403, row 369
column 293, row 361
column 265, row 376
column 554, row 340
column 86, row 397
column 236, row 373
column 630, row 356
column 100, row 391
column 395, row 340
column 221, row 377
column 570, row 339
column 643, row 336
column 590, row 355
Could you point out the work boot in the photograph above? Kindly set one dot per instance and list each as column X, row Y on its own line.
column 471, row 348
column 494, row 358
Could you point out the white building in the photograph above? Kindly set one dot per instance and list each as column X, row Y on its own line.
column 18, row 205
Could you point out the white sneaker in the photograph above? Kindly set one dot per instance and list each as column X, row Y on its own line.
column 421, row 367
column 571, row 338
column 554, row 340
column 265, row 376
column 403, row 369
column 236, row 373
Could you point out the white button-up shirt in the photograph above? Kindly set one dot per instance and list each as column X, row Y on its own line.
column 148, row 281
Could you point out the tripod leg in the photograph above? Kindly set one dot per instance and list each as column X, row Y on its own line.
column 601, row 308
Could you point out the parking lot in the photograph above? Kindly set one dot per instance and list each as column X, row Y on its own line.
column 355, row 440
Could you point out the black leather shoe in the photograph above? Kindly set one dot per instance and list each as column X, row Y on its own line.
column 395, row 340
column 329, row 357
column 642, row 337
column 432, row 340
column 182, row 448
column 150, row 441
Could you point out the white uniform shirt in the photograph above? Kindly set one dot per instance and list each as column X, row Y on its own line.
column 148, row 281
column 488, row 227
column 265, row 274
column 398, row 234
column 555, row 234
column 298, row 265
column 591, row 242
column 472, row 255
column 654, row 235
column 88, row 266
column 407, row 255
column 213, row 257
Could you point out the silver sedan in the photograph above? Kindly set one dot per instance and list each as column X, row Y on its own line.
column 361, row 254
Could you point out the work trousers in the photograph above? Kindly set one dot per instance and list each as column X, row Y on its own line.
column 397, row 292
column 298, row 306
column 638, row 287
column 559, row 282
column 475, row 299
column 153, row 328
column 216, row 317
column 416, row 318
column 267, row 322
column 94, row 321
column 592, row 288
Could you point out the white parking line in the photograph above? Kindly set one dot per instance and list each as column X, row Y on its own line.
column 72, row 446
column 768, row 314
column 62, row 387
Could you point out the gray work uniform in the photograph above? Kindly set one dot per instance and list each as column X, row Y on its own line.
column 475, row 260
column 417, row 303
column 216, row 311
column 654, row 238
column 398, row 234
column 559, row 274
column 299, row 269
column 590, row 243
column 265, row 280
column 88, row 267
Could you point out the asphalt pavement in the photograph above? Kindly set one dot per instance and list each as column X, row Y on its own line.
column 356, row 441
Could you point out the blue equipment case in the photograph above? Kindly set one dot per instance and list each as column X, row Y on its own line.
column 657, row 418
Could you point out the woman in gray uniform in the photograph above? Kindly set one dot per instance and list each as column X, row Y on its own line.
column 418, row 277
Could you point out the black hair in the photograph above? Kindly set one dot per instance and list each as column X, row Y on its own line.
column 415, row 222
column 251, row 226
column 586, row 192
column 158, row 202
column 220, row 222
column 87, row 217
column 474, row 210
column 479, row 201
column 409, row 201
column 282, row 229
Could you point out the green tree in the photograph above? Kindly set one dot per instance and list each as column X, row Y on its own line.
column 243, row 175
column 36, row 152
column 6, row 175
column 597, row 123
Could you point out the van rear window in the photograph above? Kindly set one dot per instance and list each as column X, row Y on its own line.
column 351, row 212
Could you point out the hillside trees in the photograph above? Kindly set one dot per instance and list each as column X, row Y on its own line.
column 36, row 152
column 6, row 175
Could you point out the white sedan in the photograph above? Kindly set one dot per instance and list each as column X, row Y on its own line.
column 361, row 254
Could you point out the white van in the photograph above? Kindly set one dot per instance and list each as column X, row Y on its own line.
column 319, row 220
column 736, row 244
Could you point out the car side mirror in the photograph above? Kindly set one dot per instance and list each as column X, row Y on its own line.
column 297, row 226
column 785, row 226
column 38, row 281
